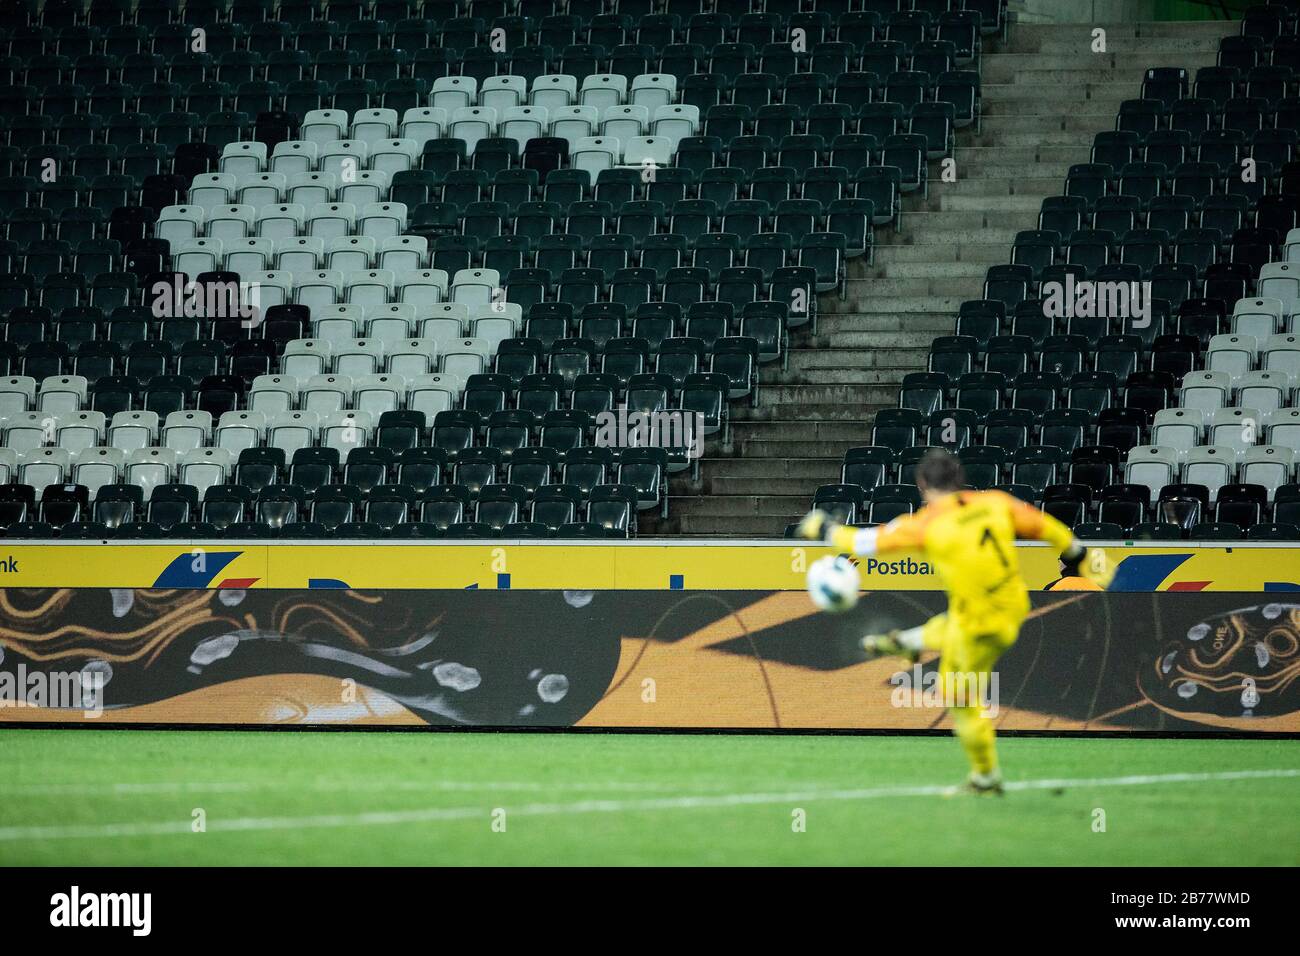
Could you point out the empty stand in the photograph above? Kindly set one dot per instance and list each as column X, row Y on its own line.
column 319, row 252
column 1171, row 421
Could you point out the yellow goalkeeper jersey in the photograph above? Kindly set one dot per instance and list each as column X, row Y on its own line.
column 969, row 538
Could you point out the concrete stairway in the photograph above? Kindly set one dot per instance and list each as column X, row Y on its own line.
column 1045, row 94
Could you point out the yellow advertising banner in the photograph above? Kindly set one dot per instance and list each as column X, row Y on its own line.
column 632, row 565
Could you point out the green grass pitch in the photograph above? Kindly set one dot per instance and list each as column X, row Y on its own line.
column 131, row 798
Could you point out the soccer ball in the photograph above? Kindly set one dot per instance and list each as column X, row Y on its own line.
column 833, row 583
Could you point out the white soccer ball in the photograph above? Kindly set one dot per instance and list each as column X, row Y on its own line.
column 833, row 583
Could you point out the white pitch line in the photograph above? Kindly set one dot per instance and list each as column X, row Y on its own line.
column 435, row 814
column 163, row 787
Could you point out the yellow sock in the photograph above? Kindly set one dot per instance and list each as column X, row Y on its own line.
column 978, row 739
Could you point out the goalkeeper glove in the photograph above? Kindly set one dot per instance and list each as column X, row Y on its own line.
column 1072, row 559
column 816, row 526
column 1090, row 563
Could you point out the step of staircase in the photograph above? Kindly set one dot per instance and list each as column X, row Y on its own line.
column 718, row 506
column 939, row 323
column 846, row 374
column 984, row 247
column 678, row 525
column 1159, row 37
column 842, row 339
column 796, row 430
column 1002, row 98
column 801, row 469
column 815, row 411
column 1114, row 66
column 866, row 359
column 926, row 270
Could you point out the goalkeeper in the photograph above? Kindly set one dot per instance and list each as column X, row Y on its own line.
column 969, row 538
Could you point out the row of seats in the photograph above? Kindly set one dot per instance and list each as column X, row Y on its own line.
column 176, row 62
column 1232, row 433
column 902, row 169
column 1169, row 531
column 174, row 510
column 156, row 13
column 536, row 379
column 98, row 471
column 1225, row 213
column 1095, row 467
column 555, row 260
column 107, row 477
column 625, row 376
column 1143, row 392
column 443, row 193
column 1202, row 531
column 223, row 206
column 1235, row 354
column 706, row 75
column 1145, row 248
column 359, row 300
column 535, row 227
column 1199, row 181
column 117, row 112
column 1223, row 282
column 1267, row 78
column 655, row 330
column 385, row 371
column 90, row 330
column 1151, row 119
column 189, row 137
column 980, row 321
column 563, row 20
column 304, row 530
column 537, row 219
column 554, row 29
column 763, row 191
column 540, row 117
column 515, row 189
column 294, row 82
column 677, row 121
column 1202, row 309
column 346, row 160
column 468, row 34
column 69, row 437
column 79, row 112
column 508, row 139
column 1172, row 147
column 1069, row 428
column 1117, row 511
column 543, row 243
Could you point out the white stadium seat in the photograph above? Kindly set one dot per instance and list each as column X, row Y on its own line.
column 1153, row 466
column 1210, row 465
column 654, row 90
column 294, row 156
column 186, row 429
column 324, row 126
column 327, row 393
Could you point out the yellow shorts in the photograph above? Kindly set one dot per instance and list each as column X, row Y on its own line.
column 962, row 653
